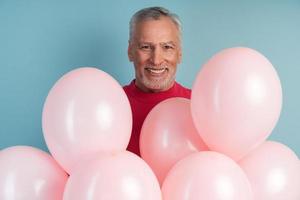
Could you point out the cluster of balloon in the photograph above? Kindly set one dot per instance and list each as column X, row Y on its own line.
column 210, row 147
column 214, row 145
column 87, row 123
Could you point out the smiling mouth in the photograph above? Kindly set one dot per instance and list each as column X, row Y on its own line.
column 156, row 71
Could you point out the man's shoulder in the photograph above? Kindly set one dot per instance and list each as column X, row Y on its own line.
column 128, row 87
column 182, row 87
column 183, row 91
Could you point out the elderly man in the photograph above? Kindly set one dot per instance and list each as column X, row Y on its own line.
column 155, row 50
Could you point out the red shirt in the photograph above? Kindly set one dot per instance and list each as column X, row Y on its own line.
column 141, row 104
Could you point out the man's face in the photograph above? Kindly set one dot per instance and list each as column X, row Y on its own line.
column 155, row 51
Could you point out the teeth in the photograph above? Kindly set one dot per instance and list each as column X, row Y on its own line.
column 156, row 71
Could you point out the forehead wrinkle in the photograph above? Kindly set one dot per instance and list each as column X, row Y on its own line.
column 156, row 27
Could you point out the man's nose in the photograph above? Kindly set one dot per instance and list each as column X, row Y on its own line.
column 157, row 56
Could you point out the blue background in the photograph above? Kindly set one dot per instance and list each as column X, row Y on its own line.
column 42, row 40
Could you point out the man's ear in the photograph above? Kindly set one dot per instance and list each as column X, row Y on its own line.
column 129, row 52
column 179, row 57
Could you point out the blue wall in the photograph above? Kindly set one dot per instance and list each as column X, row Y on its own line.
column 42, row 40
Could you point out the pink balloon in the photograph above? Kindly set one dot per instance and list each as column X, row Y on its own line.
column 274, row 172
column 236, row 101
column 86, row 111
column 119, row 176
column 206, row 175
column 29, row 173
column 168, row 135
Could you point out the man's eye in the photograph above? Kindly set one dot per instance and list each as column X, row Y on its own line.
column 145, row 47
column 168, row 47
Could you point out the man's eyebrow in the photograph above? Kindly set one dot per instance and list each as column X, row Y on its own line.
column 161, row 43
column 169, row 43
column 144, row 42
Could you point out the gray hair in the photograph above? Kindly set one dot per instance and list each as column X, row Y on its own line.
column 152, row 13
